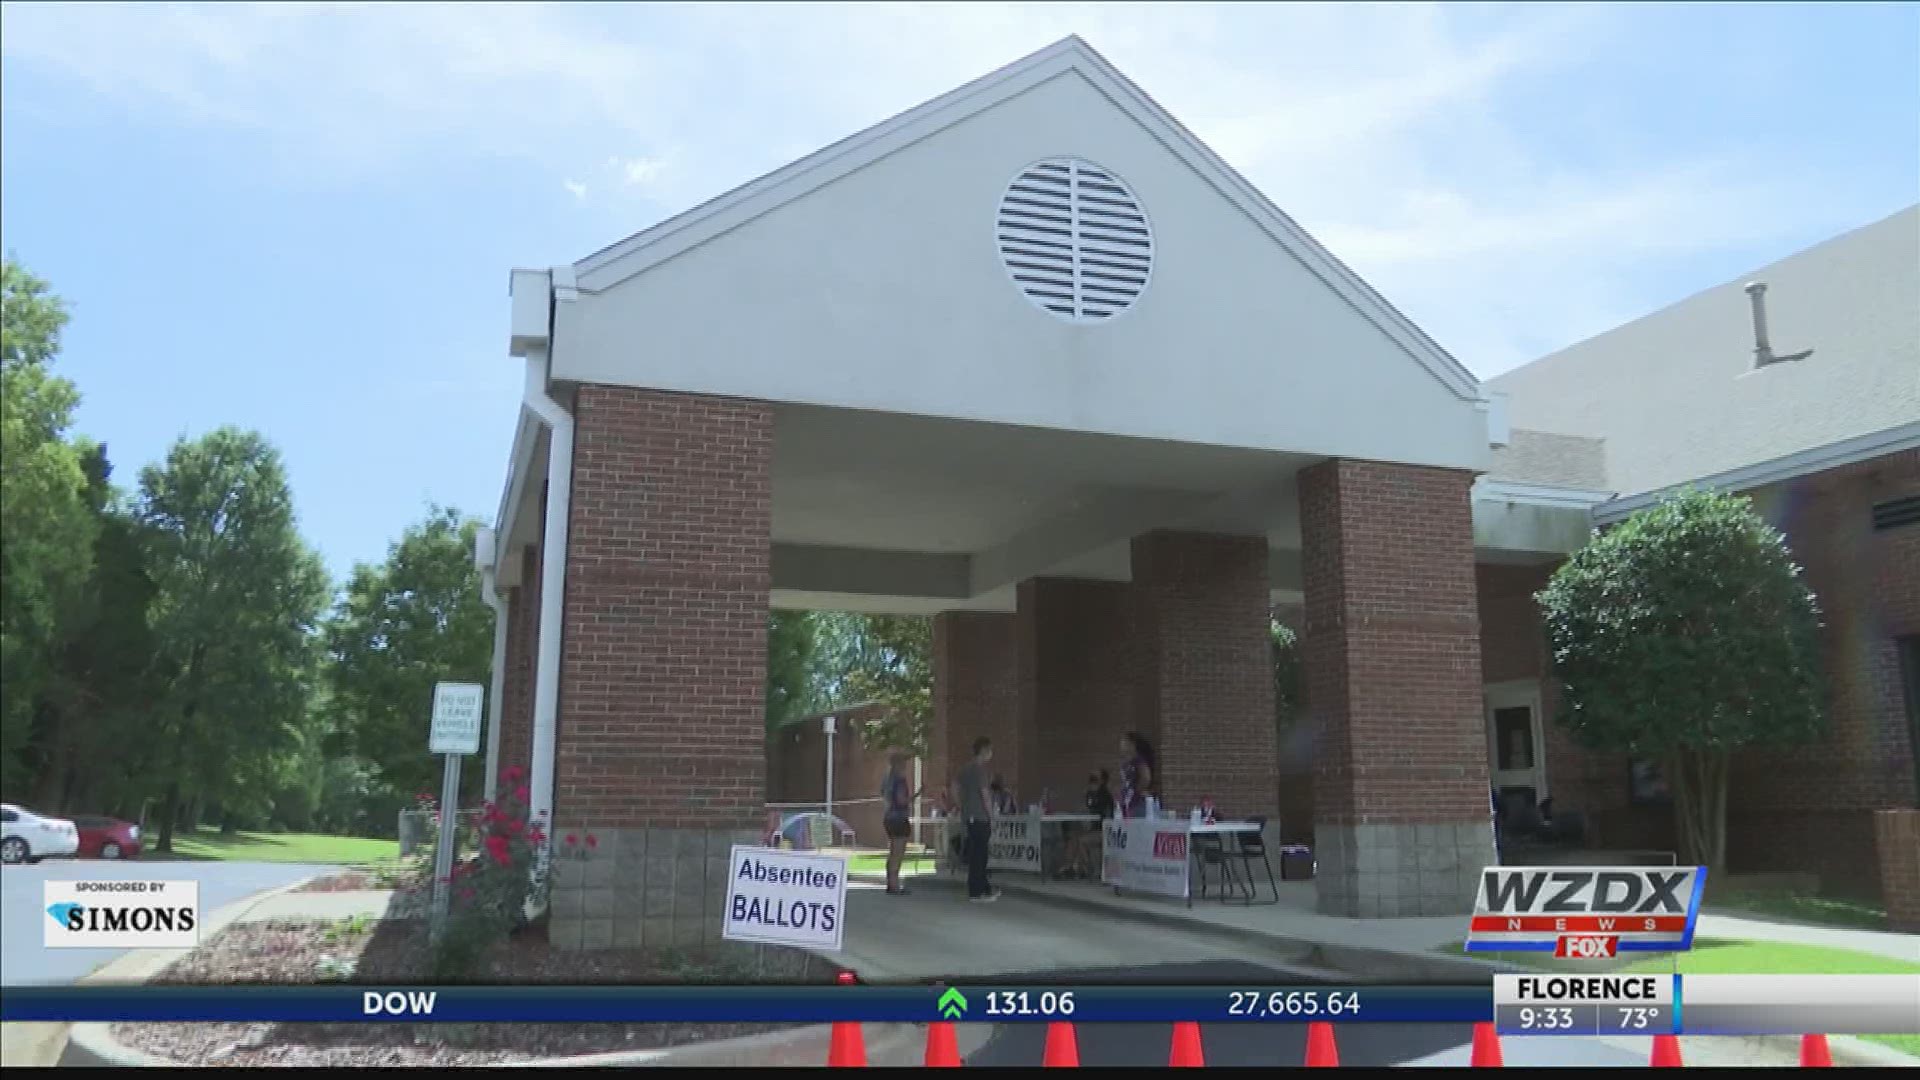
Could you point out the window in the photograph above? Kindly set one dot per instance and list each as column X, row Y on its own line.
column 1513, row 728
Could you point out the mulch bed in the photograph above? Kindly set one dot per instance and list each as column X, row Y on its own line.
column 394, row 952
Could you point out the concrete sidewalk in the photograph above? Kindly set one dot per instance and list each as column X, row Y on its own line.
column 328, row 906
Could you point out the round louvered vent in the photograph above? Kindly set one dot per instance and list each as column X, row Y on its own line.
column 1075, row 239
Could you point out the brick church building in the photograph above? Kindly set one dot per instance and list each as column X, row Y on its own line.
column 1032, row 360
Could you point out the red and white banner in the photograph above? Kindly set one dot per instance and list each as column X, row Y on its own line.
column 1147, row 855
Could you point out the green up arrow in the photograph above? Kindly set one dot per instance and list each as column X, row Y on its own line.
column 953, row 1004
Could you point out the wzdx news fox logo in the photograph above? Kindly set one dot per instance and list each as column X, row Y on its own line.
column 1586, row 912
column 122, row 914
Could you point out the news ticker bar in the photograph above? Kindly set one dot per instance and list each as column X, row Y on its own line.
column 1547, row 1004
column 1542, row 1004
column 748, row 1004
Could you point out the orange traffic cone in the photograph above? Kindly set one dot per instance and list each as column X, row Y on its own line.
column 1062, row 1047
column 1486, row 1047
column 1321, row 1052
column 849, row 1047
column 1666, row 1053
column 1186, row 1045
column 943, row 1048
column 1814, row 1053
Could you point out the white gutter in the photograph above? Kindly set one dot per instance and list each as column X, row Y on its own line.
column 485, row 554
column 553, row 583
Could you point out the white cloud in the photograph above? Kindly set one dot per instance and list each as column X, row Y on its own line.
column 1386, row 130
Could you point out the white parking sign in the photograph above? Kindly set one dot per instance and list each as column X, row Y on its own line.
column 456, row 718
column 785, row 898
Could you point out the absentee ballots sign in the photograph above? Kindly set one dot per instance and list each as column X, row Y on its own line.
column 785, row 898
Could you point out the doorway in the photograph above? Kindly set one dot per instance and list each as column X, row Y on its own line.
column 1516, row 745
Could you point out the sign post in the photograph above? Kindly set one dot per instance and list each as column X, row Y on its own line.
column 455, row 733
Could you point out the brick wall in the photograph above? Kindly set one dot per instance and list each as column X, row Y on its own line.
column 1077, row 693
column 662, row 703
column 975, row 692
column 797, row 771
column 1205, row 668
column 1810, row 808
column 523, row 635
column 1897, row 834
column 1392, row 644
column 1806, row 808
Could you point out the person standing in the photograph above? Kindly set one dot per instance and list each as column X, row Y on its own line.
column 975, row 801
column 896, row 801
column 1136, row 775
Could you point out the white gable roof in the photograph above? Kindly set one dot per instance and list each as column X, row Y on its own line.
column 612, row 265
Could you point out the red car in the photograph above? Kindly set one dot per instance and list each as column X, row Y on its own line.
column 107, row 838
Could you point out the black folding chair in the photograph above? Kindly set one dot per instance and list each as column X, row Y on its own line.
column 1248, row 846
column 1208, row 852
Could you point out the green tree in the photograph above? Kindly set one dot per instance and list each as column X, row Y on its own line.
column 793, row 682
column 1286, row 675
column 1683, row 634
column 89, row 712
column 46, row 529
column 237, row 598
column 886, row 659
column 403, row 625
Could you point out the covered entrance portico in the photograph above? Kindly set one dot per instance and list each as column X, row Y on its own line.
column 1031, row 360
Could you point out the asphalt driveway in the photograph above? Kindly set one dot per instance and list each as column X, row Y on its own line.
column 26, row 961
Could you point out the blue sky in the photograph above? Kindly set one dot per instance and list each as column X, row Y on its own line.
column 301, row 218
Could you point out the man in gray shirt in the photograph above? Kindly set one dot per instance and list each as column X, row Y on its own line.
column 976, row 812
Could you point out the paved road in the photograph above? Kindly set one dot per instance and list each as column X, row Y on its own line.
column 935, row 934
column 27, row 962
column 1256, row 1044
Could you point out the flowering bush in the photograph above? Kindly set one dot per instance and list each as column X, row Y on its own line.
column 489, row 893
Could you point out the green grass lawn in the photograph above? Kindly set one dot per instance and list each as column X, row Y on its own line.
column 1798, row 907
column 280, row 847
column 1720, row 956
column 875, row 862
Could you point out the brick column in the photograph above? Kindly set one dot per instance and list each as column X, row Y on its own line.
column 1079, row 654
column 661, row 748
column 1393, row 669
column 1205, row 669
column 976, row 683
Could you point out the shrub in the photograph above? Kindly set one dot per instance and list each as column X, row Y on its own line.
column 489, row 894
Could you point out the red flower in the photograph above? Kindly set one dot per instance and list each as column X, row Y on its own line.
column 572, row 839
column 535, row 836
column 591, row 841
column 520, row 793
column 511, row 773
column 497, row 847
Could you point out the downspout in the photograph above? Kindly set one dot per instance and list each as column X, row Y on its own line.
column 486, row 554
column 553, row 585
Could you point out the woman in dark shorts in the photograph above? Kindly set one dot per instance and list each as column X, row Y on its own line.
column 896, row 800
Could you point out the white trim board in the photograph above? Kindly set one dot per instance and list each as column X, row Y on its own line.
column 1817, row 459
column 620, row 261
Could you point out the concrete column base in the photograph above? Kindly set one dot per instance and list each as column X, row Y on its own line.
column 651, row 888
column 1395, row 871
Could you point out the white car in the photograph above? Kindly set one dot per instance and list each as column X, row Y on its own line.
column 28, row 837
